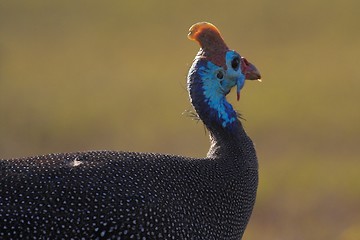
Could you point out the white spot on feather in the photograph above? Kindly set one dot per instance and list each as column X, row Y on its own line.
column 75, row 163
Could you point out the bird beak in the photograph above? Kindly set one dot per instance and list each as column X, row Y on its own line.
column 250, row 72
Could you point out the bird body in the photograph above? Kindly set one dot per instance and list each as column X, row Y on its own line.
column 129, row 195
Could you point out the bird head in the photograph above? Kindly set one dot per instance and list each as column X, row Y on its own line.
column 225, row 68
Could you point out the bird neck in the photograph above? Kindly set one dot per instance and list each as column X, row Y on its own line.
column 234, row 145
column 227, row 135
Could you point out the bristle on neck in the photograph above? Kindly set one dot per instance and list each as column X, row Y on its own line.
column 212, row 44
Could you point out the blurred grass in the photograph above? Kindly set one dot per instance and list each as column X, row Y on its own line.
column 80, row 75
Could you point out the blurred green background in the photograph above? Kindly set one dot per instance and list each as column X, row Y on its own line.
column 82, row 75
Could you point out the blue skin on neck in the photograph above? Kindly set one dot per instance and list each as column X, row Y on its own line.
column 209, row 84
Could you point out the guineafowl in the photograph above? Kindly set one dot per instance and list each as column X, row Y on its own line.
column 131, row 195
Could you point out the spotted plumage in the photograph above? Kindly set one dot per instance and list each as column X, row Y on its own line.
column 128, row 195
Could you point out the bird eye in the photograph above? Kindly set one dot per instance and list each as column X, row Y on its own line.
column 220, row 75
column 235, row 63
